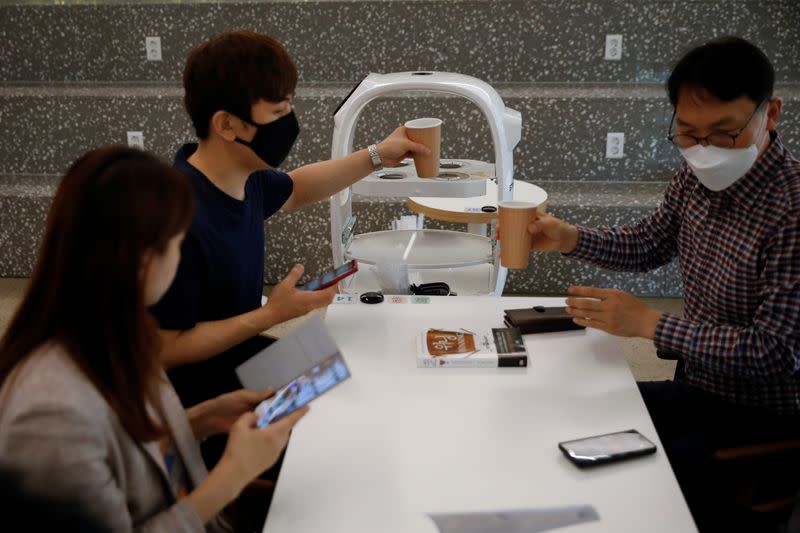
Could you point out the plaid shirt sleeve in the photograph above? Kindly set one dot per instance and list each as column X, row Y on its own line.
column 770, row 344
column 640, row 247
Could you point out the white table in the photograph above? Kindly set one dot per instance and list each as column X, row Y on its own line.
column 397, row 442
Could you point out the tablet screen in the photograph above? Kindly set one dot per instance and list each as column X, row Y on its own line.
column 312, row 383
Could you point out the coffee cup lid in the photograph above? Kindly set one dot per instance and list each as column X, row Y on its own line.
column 515, row 204
column 421, row 123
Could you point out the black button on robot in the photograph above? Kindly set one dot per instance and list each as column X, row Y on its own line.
column 371, row 298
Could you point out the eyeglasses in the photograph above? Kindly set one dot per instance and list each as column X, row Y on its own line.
column 719, row 139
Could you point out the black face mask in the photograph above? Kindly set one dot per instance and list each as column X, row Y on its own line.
column 273, row 141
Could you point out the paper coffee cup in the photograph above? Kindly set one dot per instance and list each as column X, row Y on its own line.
column 515, row 241
column 427, row 131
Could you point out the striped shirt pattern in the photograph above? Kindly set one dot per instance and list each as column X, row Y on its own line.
column 739, row 252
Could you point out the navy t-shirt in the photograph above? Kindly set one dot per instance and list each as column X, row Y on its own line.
column 221, row 272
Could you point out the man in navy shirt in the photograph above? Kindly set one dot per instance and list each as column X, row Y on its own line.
column 238, row 91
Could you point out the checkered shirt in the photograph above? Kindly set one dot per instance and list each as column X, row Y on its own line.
column 739, row 253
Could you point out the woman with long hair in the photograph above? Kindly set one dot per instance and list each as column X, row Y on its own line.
column 86, row 411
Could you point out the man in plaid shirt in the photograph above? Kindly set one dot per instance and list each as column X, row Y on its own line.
column 731, row 214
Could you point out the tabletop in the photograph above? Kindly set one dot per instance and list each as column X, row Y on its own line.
column 396, row 442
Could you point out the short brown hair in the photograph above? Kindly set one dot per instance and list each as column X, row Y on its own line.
column 231, row 72
column 87, row 293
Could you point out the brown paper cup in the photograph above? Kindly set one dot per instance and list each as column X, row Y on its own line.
column 515, row 241
column 427, row 131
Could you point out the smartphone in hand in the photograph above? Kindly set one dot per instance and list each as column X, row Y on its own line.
column 332, row 278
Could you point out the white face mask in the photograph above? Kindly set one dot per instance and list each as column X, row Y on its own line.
column 719, row 168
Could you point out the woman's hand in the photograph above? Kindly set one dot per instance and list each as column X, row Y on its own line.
column 250, row 450
column 218, row 415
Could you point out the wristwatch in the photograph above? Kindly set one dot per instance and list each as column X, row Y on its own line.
column 376, row 159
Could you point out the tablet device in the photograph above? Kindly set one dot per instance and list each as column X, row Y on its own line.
column 312, row 383
column 289, row 357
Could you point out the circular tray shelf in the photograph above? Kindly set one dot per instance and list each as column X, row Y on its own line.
column 457, row 178
column 421, row 248
column 468, row 210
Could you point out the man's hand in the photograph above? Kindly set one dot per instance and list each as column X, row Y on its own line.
column 613, row 311
column 286, row 301
column 550, row 234
column 398, row 146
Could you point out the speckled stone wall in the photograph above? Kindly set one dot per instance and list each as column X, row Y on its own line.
column 563, row 137
column 497, row 40
column 73, row 77
column 24, row 202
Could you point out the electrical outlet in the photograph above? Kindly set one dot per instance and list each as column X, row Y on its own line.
column 615, row 146
column 136, row 139
column 614, row 47
column 153, row 47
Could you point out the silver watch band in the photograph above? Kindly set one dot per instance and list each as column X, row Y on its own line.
column 376, row 159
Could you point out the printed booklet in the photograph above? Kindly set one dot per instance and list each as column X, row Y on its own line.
column 499, row 347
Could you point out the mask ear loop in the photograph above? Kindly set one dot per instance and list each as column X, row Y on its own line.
column 765, row 104
column 249, row 122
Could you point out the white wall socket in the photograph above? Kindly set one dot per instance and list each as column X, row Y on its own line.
column 153, row 47
column 614, row 47
column 615, row 146
column 136, row 139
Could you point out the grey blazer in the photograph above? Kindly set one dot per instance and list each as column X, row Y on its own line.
column 67, row 442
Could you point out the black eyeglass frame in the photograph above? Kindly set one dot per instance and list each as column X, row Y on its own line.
column 697, row 140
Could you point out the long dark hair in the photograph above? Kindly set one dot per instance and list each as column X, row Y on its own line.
column 87, row 288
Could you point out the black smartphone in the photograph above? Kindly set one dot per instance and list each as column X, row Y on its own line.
column 333, row 277
column 608, row 448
